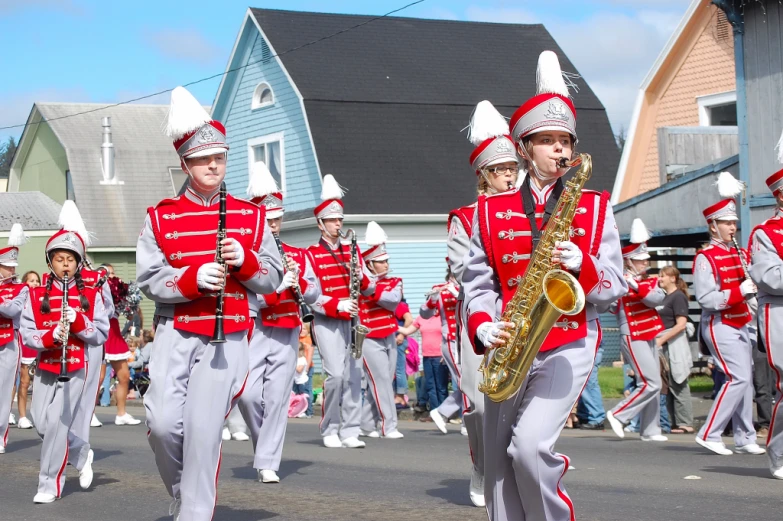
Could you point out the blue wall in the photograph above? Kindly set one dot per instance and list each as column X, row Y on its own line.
column 420, row 265
column 233, row 107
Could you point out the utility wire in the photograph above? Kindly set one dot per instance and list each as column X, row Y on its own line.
column 308, row 44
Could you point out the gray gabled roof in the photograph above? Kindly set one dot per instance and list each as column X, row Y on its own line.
column 143, row 156
column 33, row 210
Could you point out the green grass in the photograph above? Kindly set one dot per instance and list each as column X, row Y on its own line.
column 611, row 381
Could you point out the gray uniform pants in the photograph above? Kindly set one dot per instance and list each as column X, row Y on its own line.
column 453, row 403
column 10, row 354
column 523, row 474
column 770, row 321
column 264, row 404
column 380, row 365
column 731, row 349
column 79, row 436
column 473, row 417
column 341, row 406
column 53, row 408
column 193, row 386
column 645, row 399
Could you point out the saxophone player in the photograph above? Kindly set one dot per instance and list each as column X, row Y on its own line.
column 333, row 263
column 725, row 296
column 63, row 320
column 767, row 272
column 195, row 382
column 523, row 474
column 274, row 344
column 496, row 165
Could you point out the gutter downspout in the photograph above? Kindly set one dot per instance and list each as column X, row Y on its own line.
column 735, row 17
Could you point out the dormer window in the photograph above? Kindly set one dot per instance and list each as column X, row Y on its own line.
column 263, row 96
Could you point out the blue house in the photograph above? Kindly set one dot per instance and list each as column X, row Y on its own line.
column 381, row 106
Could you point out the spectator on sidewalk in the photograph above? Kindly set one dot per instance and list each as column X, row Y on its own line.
column 676, row 348
column 404, row 319
column 590, row 407
column 763, row 387
column 436, row 373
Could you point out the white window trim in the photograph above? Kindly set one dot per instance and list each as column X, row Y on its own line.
column 713, row 100
column 257, row 96
column 263, row 140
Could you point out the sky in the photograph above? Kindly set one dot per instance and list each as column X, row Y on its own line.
column 99, row 51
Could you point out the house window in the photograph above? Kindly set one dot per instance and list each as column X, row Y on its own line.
column 263, row 96
column 718, row 110
column 69, row 192
column 270, row 150
column 178, row 179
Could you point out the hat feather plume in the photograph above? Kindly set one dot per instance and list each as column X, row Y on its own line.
column 486, row 122
column 330, row 189
column 639, row 232
column 71, row 220
column 261, row 181
column 185, row 114
column 728, row 186
column 549, row 75
column 375, row 234
column 17, row 237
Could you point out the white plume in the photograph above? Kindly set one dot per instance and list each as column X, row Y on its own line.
column 639, row 232
column 728, row 186
column 17, row 236
column 549, row 76
column 375, row 234
column 261, row 181
column 330, row 189
column 71, row 220
column 779, row 148
column 185, row 114
column 486, row 122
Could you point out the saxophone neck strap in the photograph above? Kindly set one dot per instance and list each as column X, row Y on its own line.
column 339, row 261
column 530, row 207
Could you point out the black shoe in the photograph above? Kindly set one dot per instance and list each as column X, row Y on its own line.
column 591, row 426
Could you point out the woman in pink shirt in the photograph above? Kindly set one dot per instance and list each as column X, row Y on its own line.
column 436, row 374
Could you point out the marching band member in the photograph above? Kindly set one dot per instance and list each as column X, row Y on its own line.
column 639, row 324
column 766, row 249
column 724, row 292
column 47, row 323
column 13, row 296
column 331, row 260
column 495, row 162
column 194, row 380
column 522, row 472
column 379, row 417
column 274, row 344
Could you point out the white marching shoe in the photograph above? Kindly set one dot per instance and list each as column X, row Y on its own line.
column 24, row 423
column 477, row 489
column 750, row 448
column 332, row 442
column 175, row 508
column 617, row 426
column 394, row 435
column 240, row 436
column 353, row 443
column 777, row 472
column 226, row 434
column 464, row 431
column 85, row 475
column 11, row 419
column 268, row 476
column 41, row 498
column 95, row 422
column 439, row 420
column 2, row 449
column 126, row 419
column 369, row 434
column 655, row 437
column 718, row 447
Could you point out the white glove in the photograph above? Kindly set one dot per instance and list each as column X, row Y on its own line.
column 289, row 280
column 58, row 332
column 233, row 252
column 488, row 332
column 632, row 282
column 348, row 306
column 453, row 289
column 210, row 276
column 748, row 287
column 434, row 297
column 70, row 315
column 570, row 255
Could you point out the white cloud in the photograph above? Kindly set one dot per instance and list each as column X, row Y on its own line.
column 185, row 45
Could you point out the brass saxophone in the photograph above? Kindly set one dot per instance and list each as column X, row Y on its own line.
column 544, row 294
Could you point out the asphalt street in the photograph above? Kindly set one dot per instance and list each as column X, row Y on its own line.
column 421, row 477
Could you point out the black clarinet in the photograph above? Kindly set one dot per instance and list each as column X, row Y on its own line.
column 745, row 268
column 65, row 331
column 219, row 337
column 307, row 316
